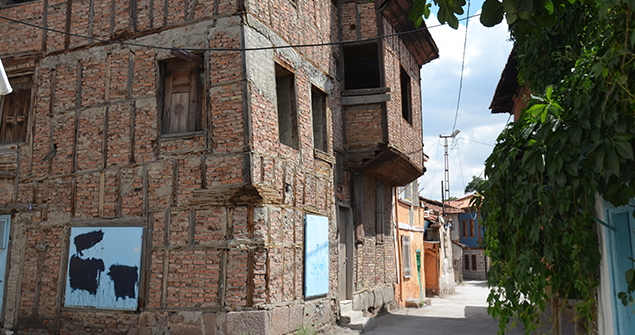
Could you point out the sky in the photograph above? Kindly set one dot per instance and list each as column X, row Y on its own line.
column 485, row 57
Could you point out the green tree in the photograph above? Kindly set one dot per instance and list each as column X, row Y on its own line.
column 573, row 141
column 474, row 184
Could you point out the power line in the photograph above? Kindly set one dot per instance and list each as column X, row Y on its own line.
column 97, row 39
column 470, row 140
column 458, row 102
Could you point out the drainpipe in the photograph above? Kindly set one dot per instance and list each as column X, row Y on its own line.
column 397, row 242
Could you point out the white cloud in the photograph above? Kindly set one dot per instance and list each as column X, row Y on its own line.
column 486, row 54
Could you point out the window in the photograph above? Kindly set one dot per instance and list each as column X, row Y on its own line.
column 182, row 97
column 406, row 96
column 474, row 262
column 287, row 114
column 409, row 192
column 318, row 107
column 15, row 111
column 11, row 2
column 361, row 66
column 472, row 228
column 464, row 227
column 466, row 260
column 104, row 267
column 405, row 247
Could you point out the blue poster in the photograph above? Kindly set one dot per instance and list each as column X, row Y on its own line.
column 316, row 255
column 103, row 267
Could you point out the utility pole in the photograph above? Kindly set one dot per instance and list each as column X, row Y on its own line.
column 447, row 165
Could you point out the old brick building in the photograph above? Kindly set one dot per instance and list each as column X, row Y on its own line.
column 146, row 191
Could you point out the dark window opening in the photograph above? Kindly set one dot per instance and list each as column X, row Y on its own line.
column 339, row 168
column 12, row 2
column 15, row 111
column 182, row 97
column 318, row 106
column 406, row 96
column 467, row 262
column 287, row 114
column 361, row 66
column 474, row 262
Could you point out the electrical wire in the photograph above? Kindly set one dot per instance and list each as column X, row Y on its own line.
column 458, row 102
column 227, row 49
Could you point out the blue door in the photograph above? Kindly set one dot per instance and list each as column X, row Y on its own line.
column 5, row 225
column 620, row 245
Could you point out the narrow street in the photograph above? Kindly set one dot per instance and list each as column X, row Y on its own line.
column 464, row 312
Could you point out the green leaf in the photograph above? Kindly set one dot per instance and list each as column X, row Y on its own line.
column 549, row 92
column 624, row 149
column 492, row 13
column 549, row 6
column 418, row 11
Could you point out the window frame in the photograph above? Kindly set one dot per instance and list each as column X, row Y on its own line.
column 474, row 265
column 472, row 228
column 24, row 105
column 288, row 128
column 320, row 129
column 358, row 60
column 406, row 95
column 166, row 70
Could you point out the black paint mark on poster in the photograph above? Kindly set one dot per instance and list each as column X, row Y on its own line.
column 88, row 240
column 84, row 273
column 125, row 278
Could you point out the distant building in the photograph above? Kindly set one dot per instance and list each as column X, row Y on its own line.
column 239, row 183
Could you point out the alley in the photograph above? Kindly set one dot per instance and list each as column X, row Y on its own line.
column 460, row 313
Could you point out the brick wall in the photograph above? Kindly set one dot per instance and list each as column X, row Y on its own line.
column 222, row 209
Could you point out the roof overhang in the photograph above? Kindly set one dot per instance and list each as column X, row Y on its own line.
column 393, row 167
column 419, row 41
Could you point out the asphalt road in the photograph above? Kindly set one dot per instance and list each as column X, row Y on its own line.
column 464, row 312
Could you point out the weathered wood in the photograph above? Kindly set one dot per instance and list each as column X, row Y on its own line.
column 366, row 91
column 108, row 77
column 115, row 222
column 250, row 278
column 67, row 28
column 164, row 281
column 365, row 99
column 222, row 278
column 102, row 192
column 10, row 208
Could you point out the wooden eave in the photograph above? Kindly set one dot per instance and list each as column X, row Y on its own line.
column 508, row 88
column 393, row 167
column 419, row 41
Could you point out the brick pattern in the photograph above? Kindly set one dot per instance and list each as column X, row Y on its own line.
column 223, row 209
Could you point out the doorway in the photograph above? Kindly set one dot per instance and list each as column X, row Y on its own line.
column 345, row 259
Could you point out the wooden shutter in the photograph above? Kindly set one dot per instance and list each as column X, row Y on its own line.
column 358, row 196
column 182, row 98
column 471, row 227
column 379, row 205
column 464, row 227
column 15, row 111
column 405, row 247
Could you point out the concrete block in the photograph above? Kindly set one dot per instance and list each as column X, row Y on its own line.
column 209, row 320
column 185, row 329
column 280, row 320
column 296, row 316
column 357, row 302
column 251, row 322
column 413, row 303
